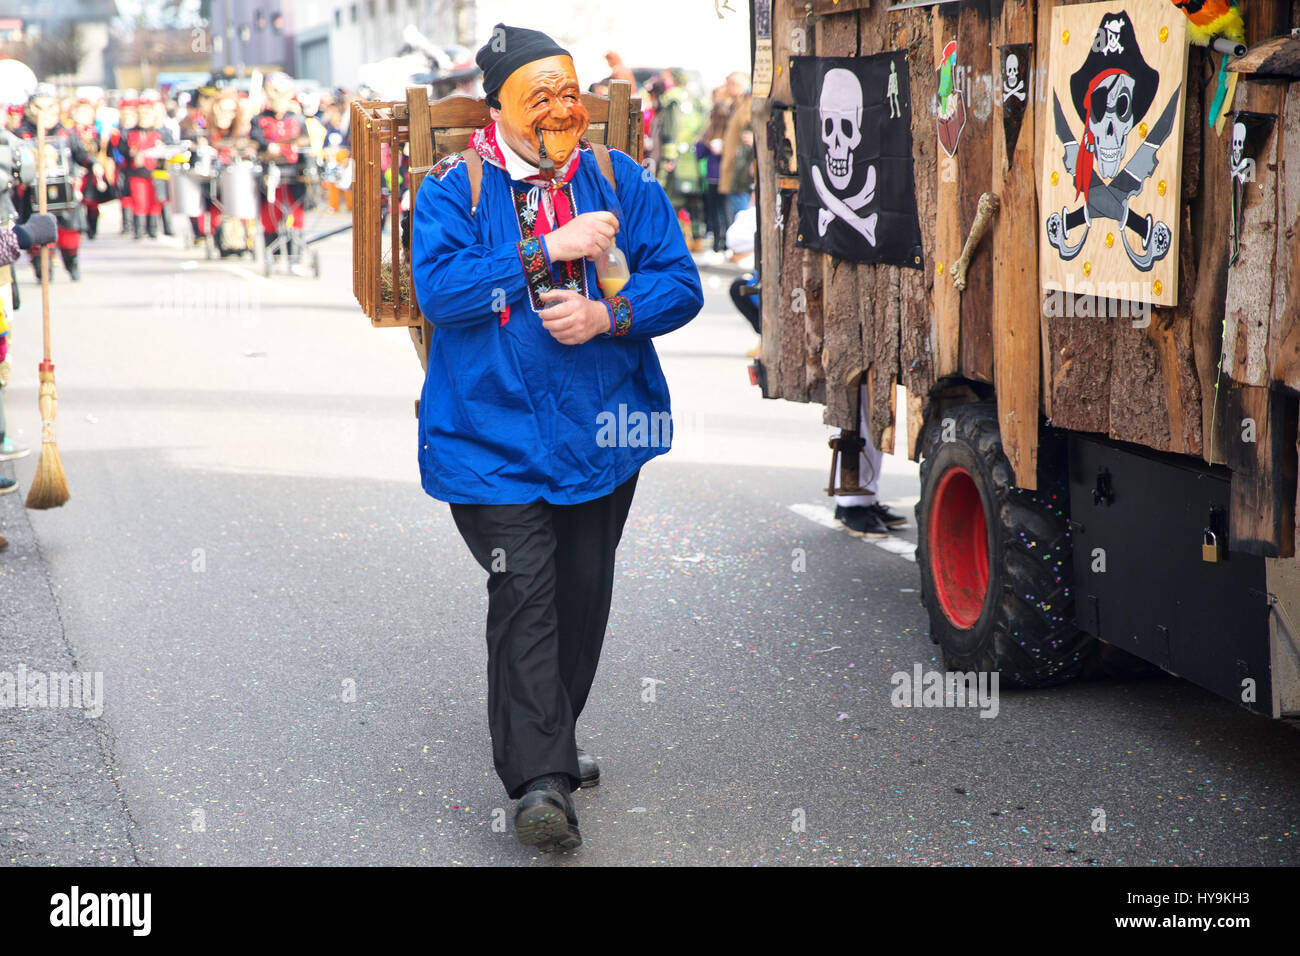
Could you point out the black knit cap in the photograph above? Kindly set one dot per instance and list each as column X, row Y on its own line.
column 508, row 50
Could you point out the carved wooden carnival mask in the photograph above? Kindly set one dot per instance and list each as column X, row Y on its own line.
column 542, row 101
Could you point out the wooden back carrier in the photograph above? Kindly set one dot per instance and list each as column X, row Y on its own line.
column 381, row 272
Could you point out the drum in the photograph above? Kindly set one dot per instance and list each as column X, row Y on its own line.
column 187, row 194
column 239, row 192
column 202, row 162
column 60, row 194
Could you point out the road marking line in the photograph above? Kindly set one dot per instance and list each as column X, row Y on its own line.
column 246, row 273
column 820, row 514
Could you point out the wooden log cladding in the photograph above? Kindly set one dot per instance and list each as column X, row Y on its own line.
column 814, row 376
column 842, row 339
column 1211, row 218
column 948, row 239
column 1248, row 308
column 974, row 178
column 1262, row 506
column 793, row 303
column 839, row 357
column 1285, row 331
column 783, row 336
column 883, row 365
column 768, row 245
column 916, row 339
column 1016, row 302
column 1259, row 443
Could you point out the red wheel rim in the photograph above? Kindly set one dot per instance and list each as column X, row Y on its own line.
column 959, row 549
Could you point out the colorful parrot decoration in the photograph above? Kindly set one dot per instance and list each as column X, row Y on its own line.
column 1207, row 21
column 946, row 85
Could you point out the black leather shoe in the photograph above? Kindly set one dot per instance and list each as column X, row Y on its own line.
column 861, row 521
column 888, row 518
column 545, row 817
column 588, row 770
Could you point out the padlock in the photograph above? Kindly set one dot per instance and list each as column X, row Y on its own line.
column 1209, row 546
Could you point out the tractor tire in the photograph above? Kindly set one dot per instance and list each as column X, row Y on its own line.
column 995, row 559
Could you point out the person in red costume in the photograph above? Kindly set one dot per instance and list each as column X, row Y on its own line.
column 94, row 188
column 280, row 133
column 63, row 151
column 141, row 144
column 127, row 117
column 226, row 130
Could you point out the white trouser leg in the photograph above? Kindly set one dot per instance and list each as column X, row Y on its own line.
column 869, row 462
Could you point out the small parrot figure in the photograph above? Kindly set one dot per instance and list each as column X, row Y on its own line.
column 945, row 75
column 1207, row 19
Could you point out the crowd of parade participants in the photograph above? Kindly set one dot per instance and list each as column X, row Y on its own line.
column 216, row 166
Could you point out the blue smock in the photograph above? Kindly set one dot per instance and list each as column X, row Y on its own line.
column 508, row 415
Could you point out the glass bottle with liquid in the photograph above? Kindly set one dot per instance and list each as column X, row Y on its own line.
column 611, row 271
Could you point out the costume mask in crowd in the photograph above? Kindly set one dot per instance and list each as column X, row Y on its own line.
column 279, row 99
column 541, row 103
column 83, row 114
column 44, row 112
column 128, row 117
column 224, row 111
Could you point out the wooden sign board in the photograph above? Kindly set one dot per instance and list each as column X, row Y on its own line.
column 1112, row 156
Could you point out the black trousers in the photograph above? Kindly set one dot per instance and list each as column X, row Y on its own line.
column 550, row 580
column 744, row 303
column 716, row 209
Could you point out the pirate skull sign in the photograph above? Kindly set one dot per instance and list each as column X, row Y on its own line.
column 853, row 141
column 1112, row 149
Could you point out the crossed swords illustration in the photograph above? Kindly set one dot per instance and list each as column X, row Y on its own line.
column 1113, row 199
column 846, row 209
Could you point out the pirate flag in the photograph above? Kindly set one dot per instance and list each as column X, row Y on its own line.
column 857, row 198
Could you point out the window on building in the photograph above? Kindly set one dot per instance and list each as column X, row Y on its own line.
column 370, row 9
column 354, row 13
column 338, row 17
column 392, row 6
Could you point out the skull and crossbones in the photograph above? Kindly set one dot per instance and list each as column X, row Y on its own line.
column 1107, row 40
column 839, row 114
column 1013, row 84
column 1241, row 163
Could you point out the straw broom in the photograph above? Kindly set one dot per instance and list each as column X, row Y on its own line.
column 49, row 485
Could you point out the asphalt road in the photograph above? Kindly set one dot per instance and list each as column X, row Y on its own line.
column 247, row 549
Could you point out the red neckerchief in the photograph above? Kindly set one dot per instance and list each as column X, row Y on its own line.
column 1083, row 168
column 484, row 141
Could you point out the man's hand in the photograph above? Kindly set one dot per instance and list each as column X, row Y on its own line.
column 582, row 237
column 273, row 149
column 572, row 318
